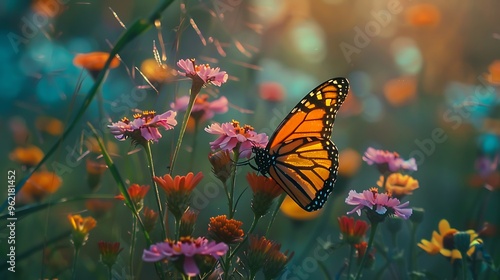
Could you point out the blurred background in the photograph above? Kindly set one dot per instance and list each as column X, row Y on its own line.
column 424, row 82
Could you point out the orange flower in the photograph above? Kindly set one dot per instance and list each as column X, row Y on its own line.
column 30, row 155
column 137, row 194
column 178, row 191
column 156, row 74
column 423, row 14
column 352, row 231
column 150, row 218
column 350, row 161
column 39, row 185
column 94, row 62
column 98, row 207
column 49, row 125
column 398, row 185
column 292, row 210
column 265, row 190
column 222, row 229
column 81, row 228
column 401, row 91
column 94, row 172
column 188, row 222
column 493, row 77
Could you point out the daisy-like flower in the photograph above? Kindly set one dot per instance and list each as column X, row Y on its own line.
column 204, row 72
column 225, row 230
column 233, row 137
column 377, row 205
column 257, row 253
column 398, row 185
column 352, row 231
column 388, row 162
column 81, row 228
column 109, row 252
column 265, row 190
column 137, row 194
column 178, row 191
column 444, row 242
column 29, row 156
column 185, row 251
column 94, row 62
column 38, row 186
column 202, row 109
column 157, row 73
column 144, row 127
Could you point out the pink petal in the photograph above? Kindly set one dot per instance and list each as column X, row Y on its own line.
column 190, row 267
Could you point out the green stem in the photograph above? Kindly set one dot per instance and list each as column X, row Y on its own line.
column 133, row 240
column 370, row 243
column 351, row 254
column 75, row 262
column 110, row 272
column 252, row 227
column 275, row 212
column 236, row 155
column 464, row 267
column 177, row 228
column 195, row 142
column 195, row 89
column 413, row 252
column 147, row 149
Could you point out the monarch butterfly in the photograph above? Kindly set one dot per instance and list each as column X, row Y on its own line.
column 300, row 156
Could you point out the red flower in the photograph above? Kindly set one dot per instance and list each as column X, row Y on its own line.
column 352, row 230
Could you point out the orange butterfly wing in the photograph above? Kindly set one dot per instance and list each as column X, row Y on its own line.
column 300, row 156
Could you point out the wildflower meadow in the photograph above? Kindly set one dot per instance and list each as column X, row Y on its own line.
column 233, row 139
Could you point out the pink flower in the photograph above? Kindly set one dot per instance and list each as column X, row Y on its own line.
column 121, row 128
column 233, row 136
column 381, row 204
column 186, row 247
column 203, row 109
column 144, row 127
column 388, row 161
column 204, row 71
column 271, row 91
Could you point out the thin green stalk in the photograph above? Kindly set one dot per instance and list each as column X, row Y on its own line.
column 273, row 216
column 110, row 272
column 195, row 142
column 413, row 252
column 75, row 262
column 349, row 264
column 370, row 243
column 236, row 155
column 195, row 89
column 464, row 268
column 149, row 155
column 133, row 240
column 177, row 228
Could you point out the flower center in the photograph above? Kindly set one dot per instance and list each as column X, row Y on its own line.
column 448, row 241
column 146, row 115
column 242, row 130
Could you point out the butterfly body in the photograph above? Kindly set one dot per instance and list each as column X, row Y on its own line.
column 300, row 156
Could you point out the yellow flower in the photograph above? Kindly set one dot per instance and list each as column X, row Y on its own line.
column 81, row 228
column 398, row 185
column 157, row 74
column 443, row 242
